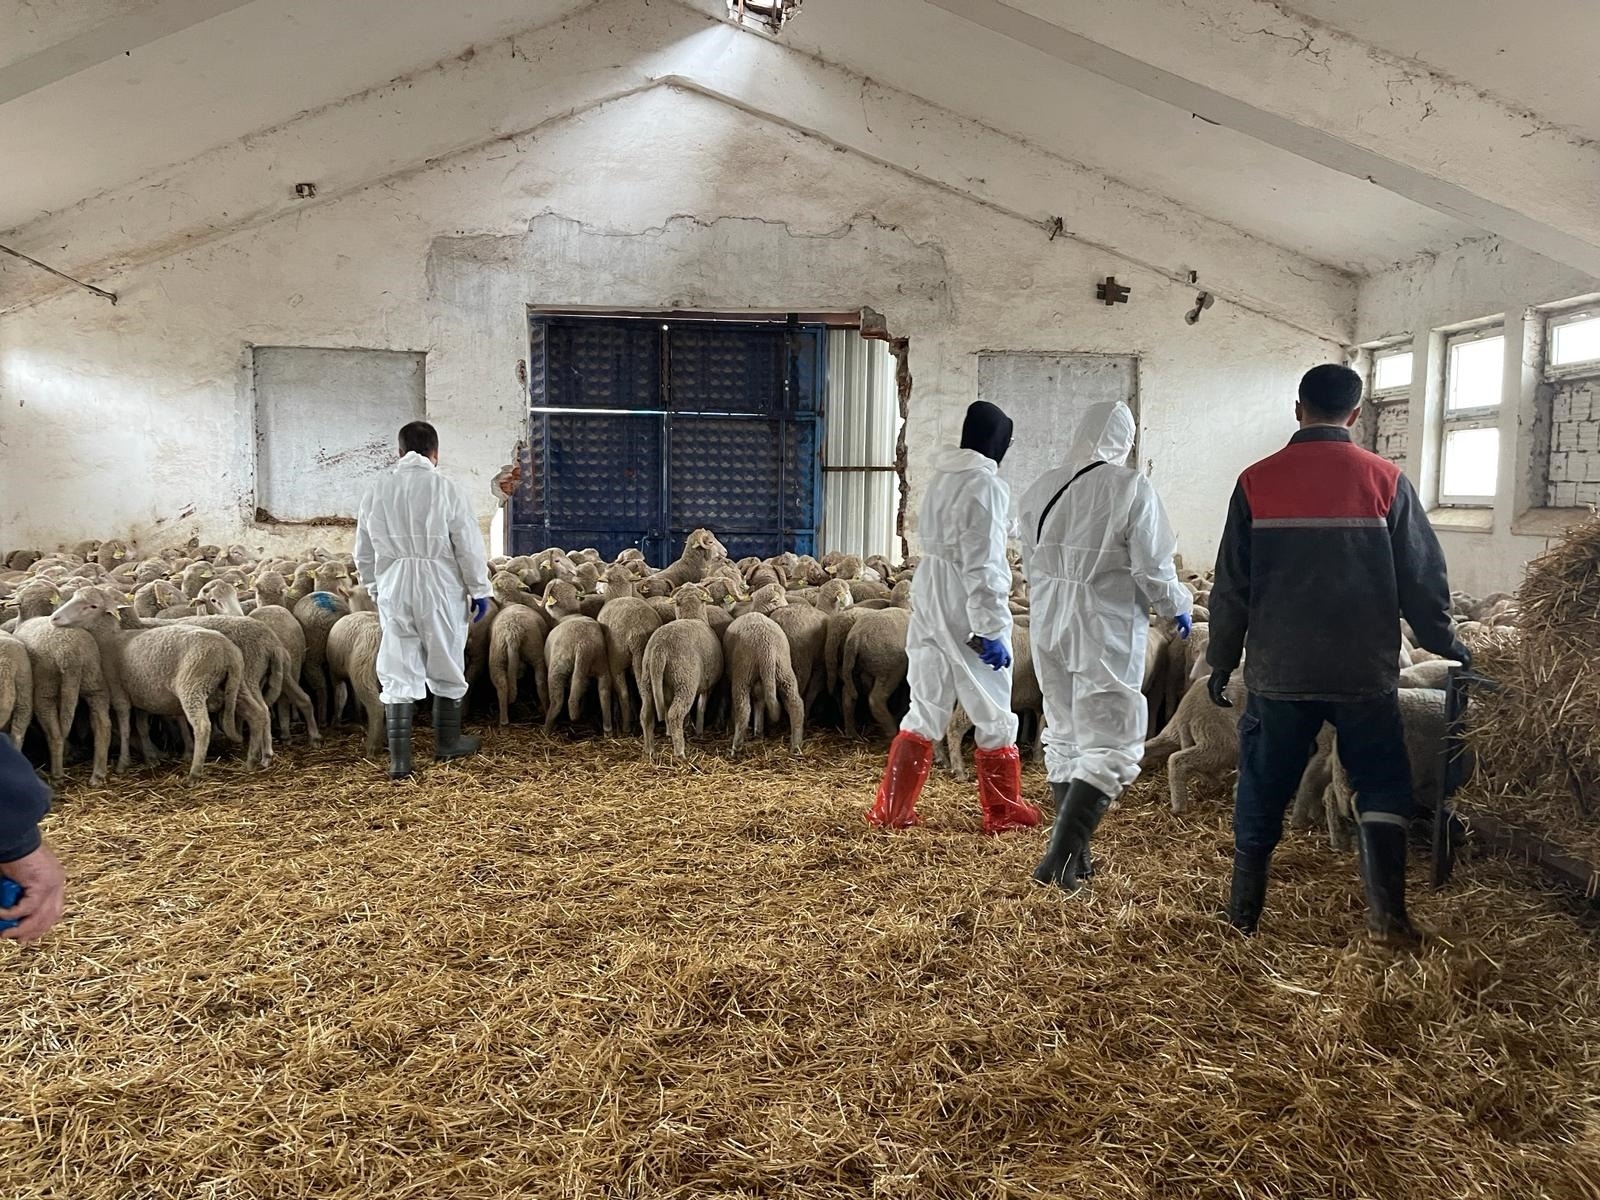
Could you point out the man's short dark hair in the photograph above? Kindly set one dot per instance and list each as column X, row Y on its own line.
column 419, row 437
column 1330, row 390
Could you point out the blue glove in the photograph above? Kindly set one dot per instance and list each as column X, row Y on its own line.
column 480, row 608
column 10, row 894
column 993, row 652
column 1185, row 623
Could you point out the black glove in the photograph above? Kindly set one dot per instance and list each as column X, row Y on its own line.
column 1217, row 686
column 1461, row 654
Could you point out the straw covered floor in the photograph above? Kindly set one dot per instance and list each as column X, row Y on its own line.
column 550, row 971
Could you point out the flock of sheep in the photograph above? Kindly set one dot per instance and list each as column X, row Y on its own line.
column 193, row 630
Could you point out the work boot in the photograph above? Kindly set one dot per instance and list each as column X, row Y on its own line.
column 910, row 760
column 397, row 719
column 1000, row 791
column 1079, row 809
column 1383, row 871
column 448, row 740
column 1247, row 895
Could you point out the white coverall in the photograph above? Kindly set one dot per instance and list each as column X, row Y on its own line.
column 419, row 551
column 962, row 587
column 1102, row 560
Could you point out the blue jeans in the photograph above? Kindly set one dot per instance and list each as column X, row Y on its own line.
column 1276, row 740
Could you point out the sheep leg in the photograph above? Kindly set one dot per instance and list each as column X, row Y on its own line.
column 50, row 721
column 1179, row 768
column 878, row 702
column 100, row 724
column 700, row 714
column 560, row 679
column 575, row 693
column 850, row 700
column 22, row 715
column 505, row 688
column 954, row 736
column 741, row 716
column 677, row 716
column 794, row 706
column 296, row 697
column 199, row 720
column 647, row 717
column 142, row 721
column 603, row 682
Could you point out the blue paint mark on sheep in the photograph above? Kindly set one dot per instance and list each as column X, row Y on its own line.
column 326, row 601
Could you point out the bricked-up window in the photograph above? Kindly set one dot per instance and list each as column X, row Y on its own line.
column 1389, row 401
column 1571, row 396
column 1470, row 453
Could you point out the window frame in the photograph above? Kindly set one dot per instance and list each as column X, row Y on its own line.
column 1589, row 366
column 1481, row 417
column 1391, row 395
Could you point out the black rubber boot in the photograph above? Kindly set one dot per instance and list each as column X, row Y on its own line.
column 397, row 718
column 1247, row 894
column 1383, row 871
column 1079, row 808
column 448, row 740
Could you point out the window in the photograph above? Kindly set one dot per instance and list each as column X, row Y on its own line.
column 1574, row 342
column 1391, row 372
column 1470, row 454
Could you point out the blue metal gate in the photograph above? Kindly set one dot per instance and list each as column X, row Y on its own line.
column 643, row 430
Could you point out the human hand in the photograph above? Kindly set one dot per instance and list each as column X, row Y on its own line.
column 44, row 887
column 1216, row 687
column 994, row 652
column 1185, row 624
column 480, row 608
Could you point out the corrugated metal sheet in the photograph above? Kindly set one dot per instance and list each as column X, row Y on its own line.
column 861, row 489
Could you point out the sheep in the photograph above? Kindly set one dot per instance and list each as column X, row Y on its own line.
column 266, row 670
column 1422, row 712
column 1199, row 737
column 223, row 598
column 835, row 602
column 875, row 654
column 1434, row 673
column 166, row 671
column 16, row 687
column 517, row 642
column 66, row 667
column 683, row 662
column 757, row 655
column 271, row 589
column 575, row 653
column 352, row 653
column 1026, row 697
column 701, row 552
column 317, row 614
column 194, row 577
column 806, row 629
column 629, row 622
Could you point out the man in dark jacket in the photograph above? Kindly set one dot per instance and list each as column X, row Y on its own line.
column 1326, row 548
column 24, row 858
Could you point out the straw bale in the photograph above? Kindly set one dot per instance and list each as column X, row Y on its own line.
column 1537, row 742
column 548, row 971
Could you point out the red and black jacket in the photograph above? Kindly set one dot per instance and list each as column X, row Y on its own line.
column 1326, row 548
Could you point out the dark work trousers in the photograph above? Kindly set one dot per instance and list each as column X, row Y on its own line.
column 1276, row 740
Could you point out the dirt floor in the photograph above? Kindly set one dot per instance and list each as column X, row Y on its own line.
column 552, row 971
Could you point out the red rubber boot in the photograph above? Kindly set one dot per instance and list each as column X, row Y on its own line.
column 1000, row 791
column 910, row 760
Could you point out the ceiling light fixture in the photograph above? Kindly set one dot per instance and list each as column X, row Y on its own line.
column 771, row 13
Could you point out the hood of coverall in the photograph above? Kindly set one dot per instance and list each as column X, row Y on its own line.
column 986, row 430
column 1104, row 435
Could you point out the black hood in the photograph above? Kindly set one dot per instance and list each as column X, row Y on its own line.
column 986, row 430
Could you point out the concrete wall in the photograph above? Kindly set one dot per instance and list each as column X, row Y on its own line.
column 138, row 419
column 1486, row 279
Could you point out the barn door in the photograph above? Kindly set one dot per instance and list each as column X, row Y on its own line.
column 641, row 431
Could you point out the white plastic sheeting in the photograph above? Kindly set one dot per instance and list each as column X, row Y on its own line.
column 861, row 485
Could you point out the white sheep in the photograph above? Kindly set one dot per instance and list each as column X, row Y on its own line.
column 629, row 623
column 66, row 668
column 16, row 687
column 353, row 659
column 682, row 664
column 758, row 658
column 575, row 655
column 875, row 656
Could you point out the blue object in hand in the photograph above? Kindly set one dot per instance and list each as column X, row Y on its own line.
column 480, row 608
column 1185, row 624
column 10, row 893
column 992, row 650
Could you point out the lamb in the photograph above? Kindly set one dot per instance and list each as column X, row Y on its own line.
column 1422, row 712
column 317, row 614
column 629, row 623
column 271, row 589
column 194, row 577
column 806, row 629
column 16, row 687
column 223, row 599
column 875, row 654
column 266, row 665
column 683, row 662
column 66, row 666
column 575, row 653
column 517, row 642
column 167, row 671
column 835, row 602
column 758, row 655
column 701, row 552
column 1199, row 737
column 353, row 658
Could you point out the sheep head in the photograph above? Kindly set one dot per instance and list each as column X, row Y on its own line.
column 562, row 599
column 87, row 607
column 769, row 599
column 703, row 544
column 690, row 602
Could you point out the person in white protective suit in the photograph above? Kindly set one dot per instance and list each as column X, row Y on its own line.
column 960, row 634
column 420, row 555
column 1098, row 555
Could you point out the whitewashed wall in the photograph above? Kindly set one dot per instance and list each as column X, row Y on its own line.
column 136, row 420
column 1480, row 279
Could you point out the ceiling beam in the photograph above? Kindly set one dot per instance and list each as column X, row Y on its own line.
column 1328, row 98
column 120, row 35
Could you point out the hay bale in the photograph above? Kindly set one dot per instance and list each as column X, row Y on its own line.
column 1537, row 743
